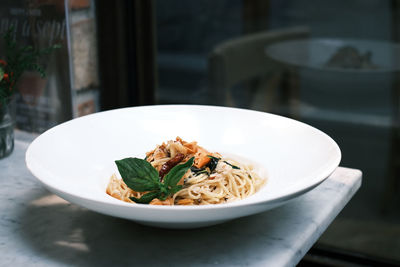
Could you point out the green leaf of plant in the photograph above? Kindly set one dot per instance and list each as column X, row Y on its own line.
column 138, row 174
column 176, row 173
column 1, row 73
column 20, row 59
column 146, row 198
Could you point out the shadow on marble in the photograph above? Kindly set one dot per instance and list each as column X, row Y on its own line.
column 65, row 233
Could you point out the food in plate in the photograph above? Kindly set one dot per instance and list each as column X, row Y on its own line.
column 183, row 173
column 349, row 57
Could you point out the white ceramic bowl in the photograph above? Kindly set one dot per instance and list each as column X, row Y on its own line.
column 76, row 159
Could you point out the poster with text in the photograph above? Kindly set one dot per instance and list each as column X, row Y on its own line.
column 41, row 102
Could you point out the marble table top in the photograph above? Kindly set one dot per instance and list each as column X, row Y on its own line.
column 38, row 228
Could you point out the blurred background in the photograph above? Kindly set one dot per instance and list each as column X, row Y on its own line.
column 332, row 64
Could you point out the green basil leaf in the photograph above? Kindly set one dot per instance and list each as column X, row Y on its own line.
column 176, row 173
column 140, row 185
column 175, row 189
column 163, row 197
column 146, row 198
column 138, row 174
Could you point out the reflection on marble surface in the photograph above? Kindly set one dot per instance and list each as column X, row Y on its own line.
column 38, row 228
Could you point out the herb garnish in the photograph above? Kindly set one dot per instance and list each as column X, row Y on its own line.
column 213, row 163
column 202, row 172
column 233, row 166
column 194, row 169
column 198, row 171
column 139, row 175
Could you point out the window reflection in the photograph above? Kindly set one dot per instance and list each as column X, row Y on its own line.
column 331, row 64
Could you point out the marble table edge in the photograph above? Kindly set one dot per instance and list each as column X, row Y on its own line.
column 344, row 175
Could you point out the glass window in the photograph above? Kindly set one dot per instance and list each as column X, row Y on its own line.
column 331, row 64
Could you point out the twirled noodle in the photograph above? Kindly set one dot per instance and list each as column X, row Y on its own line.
column 118, row 189
column 228, row 181
column 226, row 184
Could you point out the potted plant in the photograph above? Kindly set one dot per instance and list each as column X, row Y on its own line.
column 16, row 60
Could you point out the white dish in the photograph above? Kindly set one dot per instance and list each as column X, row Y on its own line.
column 76, row 159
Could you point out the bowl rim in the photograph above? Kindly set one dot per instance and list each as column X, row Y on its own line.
column 285, row 195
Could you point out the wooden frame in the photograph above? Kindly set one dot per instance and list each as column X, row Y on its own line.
column 127, row 52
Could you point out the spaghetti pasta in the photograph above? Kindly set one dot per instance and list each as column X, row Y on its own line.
column 213, row 179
